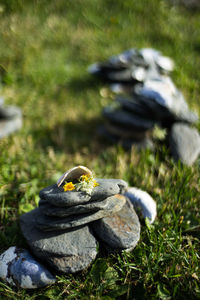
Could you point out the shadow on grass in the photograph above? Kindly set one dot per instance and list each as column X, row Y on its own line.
column 71, row 137
column 80, row 85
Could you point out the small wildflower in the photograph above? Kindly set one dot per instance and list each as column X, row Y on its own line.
column 69, row 186
column 95, row 183
column 85, row 178
column 85, row 183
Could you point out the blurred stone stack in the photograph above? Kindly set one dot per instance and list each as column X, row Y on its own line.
column 147, row 97
column 10, row 116
column 10, row 119
column 76, row 212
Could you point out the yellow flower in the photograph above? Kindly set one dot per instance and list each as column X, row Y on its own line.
column 69, row 186
column 85, row 178
column 95, row 183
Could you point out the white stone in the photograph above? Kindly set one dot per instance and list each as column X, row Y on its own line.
column 165, row 63
column 19, row 268
column 144, row 201
column 5, row 258
column 26, row 281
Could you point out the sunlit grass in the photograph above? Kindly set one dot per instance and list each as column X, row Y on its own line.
column 45, row 48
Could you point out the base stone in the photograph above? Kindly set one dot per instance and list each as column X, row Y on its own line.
column 66, row 251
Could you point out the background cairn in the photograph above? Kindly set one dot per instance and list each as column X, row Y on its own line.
column 147, row 97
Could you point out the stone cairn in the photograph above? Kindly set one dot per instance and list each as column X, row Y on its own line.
column 73, row 216
column 76, row 213
column 146, row 98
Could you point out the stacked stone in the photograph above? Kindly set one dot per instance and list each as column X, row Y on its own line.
column 130, row 122
column 10, row 119
column 64, row 230
column 132, row 66
column 148, row 97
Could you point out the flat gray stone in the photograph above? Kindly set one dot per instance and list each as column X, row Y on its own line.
column 135, row 105
column 120, row 231
column 166, row 100
column 55, row 195
column 127, row 143
column 19, row 268
column 107, row 188
column 126, row 133
column 128, row 119
column 90, row 207
column 46, row 223
column 184, row 143
column 67, row 251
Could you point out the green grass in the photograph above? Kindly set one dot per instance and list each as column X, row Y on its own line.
column 45, row 48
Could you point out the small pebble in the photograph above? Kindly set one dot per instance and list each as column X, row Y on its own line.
column 144, row 201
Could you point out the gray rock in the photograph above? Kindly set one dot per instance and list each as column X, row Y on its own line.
column 50, row 224
column 126, row 133
column 107, row 188
column 56, row 196
column 127, row 119
column 127, row 143
column 165, row 99
column 1, row 101
column 133, row 66
column 121, row 230
column 19, row 268
column 134, row 104
column 121, row 68
column 90, row 207
column 9, row 126
column 9, row 112
column 184, row 143
column 68, row 251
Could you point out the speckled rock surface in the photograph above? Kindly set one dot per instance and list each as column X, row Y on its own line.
column 19, row 268
column 66, row 251
column 184, row 143
column 121, row 230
